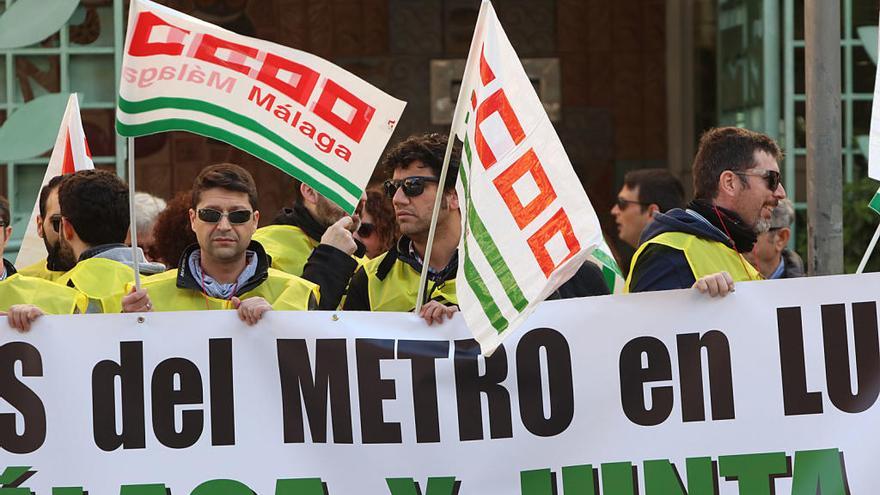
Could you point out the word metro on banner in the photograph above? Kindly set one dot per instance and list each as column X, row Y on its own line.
column 298, row 112
column 376, row 403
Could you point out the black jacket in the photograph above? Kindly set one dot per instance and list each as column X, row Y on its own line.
column 10, row 268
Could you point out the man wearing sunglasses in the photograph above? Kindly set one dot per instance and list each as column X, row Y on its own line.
column 48, row 226
column 225, row 269
column 644, row 193
column 313, row 240
column 391, row 281
column 94, row 225
column 736, row 186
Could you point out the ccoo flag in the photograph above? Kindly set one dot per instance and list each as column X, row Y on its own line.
column 303, row 114
column 70, row 154
column 528, row 225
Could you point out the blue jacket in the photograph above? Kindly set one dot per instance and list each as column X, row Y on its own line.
column 664, row 268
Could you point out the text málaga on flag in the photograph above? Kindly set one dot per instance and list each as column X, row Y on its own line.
column 528, row 225
column 304, row 115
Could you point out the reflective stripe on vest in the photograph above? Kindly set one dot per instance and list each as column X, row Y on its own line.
column 704, row 256
column 288, row 291
column 102, row 280
column 400, row 288
column 52, row 298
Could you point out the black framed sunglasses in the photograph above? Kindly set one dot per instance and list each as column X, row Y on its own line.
column 771, row 177
column 623, row 203
column 237, row 217
column 55, row 220
column 412, row 186
column 366, row 229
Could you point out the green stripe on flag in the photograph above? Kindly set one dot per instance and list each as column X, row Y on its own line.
column 239, row 142
column 487, row 244
column 476, row 283
column 875, row 202
column 607, row 261
column 134, row 107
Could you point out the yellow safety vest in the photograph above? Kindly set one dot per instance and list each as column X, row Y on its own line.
column 52, row 298
column 400, row 287
column 287, row 245
column 102, row 280
column 281, row 290
column 704, row 256
column 40, row 270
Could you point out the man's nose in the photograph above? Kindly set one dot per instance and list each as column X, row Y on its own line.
column 780, row 192
column 399, row 197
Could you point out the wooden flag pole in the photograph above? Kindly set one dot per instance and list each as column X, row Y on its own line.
column 870, row 250
column 132, row 225
column 426, row 260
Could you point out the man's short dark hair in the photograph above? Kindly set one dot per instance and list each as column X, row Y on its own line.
column 656, row 186
column 227, row 176
column 53, row 184
column 95, row 202
column 428, row 149
column 4, row 211
column 727, row 148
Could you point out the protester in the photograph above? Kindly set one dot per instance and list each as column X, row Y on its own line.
column 736, row 185
column 225, row 269
column 24, row 299
column 146, row 210
column 391, row 281
column 172, row 232
column 644, row 193
column 771, row 255
column 378, row 229
column 94, row 224
column 314, row 240
column 48, row 225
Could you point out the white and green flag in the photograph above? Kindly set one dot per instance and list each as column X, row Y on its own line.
column 528, row 225
column 303, row 114
column 874, row 204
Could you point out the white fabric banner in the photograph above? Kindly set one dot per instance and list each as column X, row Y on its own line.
column 528, row 224
column 771, row 388
column 299, row 112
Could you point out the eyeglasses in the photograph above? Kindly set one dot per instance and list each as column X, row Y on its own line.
column 771, row 177
column 623, row 203
column 412, row 186
column 55, row 220
column 237, row 217
column 366, row 229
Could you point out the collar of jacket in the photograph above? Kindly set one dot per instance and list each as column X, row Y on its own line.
column 186, row 279
column 400, row 251
column 96, row 250
column 741, row 236
column 10, row 268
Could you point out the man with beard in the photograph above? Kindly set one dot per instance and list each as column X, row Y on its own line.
column 391, row 281
column 736, row 186
column 226, row 269
column 313, row 240
column 94, row 224
column 48, row 225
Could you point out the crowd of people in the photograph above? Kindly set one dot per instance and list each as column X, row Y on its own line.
column 203, row 248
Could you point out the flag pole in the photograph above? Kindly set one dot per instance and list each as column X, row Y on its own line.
column 423, row 278
column 132, row 226
column 870, row 250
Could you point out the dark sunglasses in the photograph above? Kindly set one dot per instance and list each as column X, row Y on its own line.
column 237, row 217
column 55, row 220
column 366, row 229
column 623, row 203
column 771, row 177
column 412, row 186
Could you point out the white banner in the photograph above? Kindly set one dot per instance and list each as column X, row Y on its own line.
column 301, row 113
column 527, row 222
column 770, row 390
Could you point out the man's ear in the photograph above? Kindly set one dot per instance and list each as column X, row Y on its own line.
column 39, row 221
column 67, row 229
column 192, row 219
column 256, row 217
column 452, row 199
column 309, row 195
column 782, row 237
column 652, row 209
column 728, row 183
